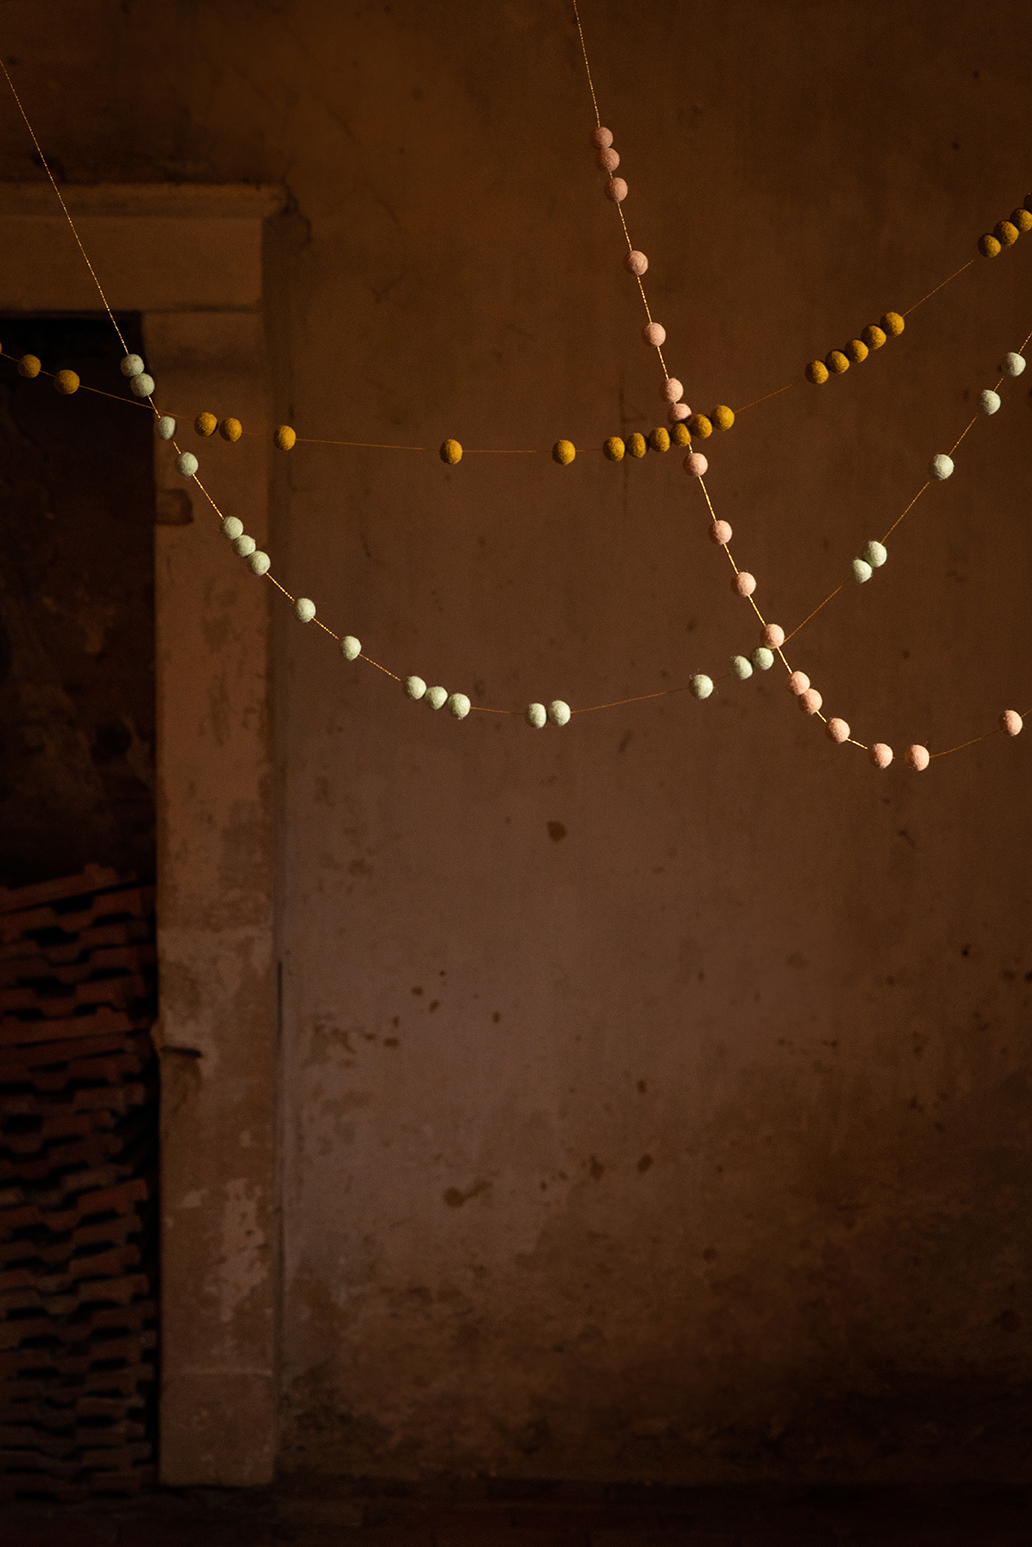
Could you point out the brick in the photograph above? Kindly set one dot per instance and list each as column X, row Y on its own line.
column 93, row 878
column 60, row 1030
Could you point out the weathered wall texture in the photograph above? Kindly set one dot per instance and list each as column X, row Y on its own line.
column 654, row 1091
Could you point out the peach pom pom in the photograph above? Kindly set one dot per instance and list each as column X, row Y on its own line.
column 608, row 160
column 672, row 390
column 720, row 533
column 743, row 583
column 636, row 263
column 654, row 334
column 917, row 757
column 616, row 189
column 773, row 636
column 810, row 701
column 837, row 730
column 695, row 465
column 1011, row 722
column 601, row 138
column 798, row 682
column 677, row 412
column 880, row 755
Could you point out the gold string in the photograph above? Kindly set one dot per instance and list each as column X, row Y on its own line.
column 757, row 401
column 938, row 287
column 64, row 206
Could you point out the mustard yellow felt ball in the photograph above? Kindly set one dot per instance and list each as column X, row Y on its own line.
column 613, row 449
column 283, row 437
column 699, row 425
column 29, row 366
column 451, row 452
column 873, row 336
column 680, row 435
column 722, row 417
column 817, row 372
column 856, row 351
column 637, row 444
column 893, row 324
column 1022, row 219
column 231, row 429
column 206, row 424
column 1006, row 233
column 564, row 452
column 988, row 246
column 836, row 362
column 66, row 382
column 659, row 440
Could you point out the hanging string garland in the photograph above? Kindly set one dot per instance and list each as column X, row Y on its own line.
column 684, row 426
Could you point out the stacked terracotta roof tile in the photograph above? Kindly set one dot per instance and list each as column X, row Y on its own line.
column 78, row 1131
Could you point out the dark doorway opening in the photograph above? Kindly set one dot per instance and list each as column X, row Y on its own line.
column 78, row 992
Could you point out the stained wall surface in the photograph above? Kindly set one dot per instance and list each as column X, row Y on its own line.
column 654, row 1091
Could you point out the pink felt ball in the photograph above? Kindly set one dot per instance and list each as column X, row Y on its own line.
column 1010, row 721
column 601, row 138
column 798, row 682
column 773, row 636
column 695, row 464
column 654, row 334
column 608, row 160
column 837, row 730
column 917, row 757
column 672, row 391
column 636, row 263
column 743, row 583
column 616, row 189
column 810, row 701
column 720, row 533
column 880, row 755
column 678, row 411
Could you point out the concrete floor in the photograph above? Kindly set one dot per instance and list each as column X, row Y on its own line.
column 538, row 1515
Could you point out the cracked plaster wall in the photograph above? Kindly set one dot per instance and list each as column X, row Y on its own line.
column 654, row 1091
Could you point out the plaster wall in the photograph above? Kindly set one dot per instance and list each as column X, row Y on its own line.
column 654, row 1091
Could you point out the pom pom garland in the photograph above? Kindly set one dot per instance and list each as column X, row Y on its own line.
column 284, row 438
column 614, row 449
column 559, row 712
column 607, row 160
column 436, row 697
column 917, row 757
column 659, row 440
column 741, row 667
column 701, row 686
column 616, row 190
column 676, row 412
column 654, row 334
column 861, row 571
column 637, row 444
column 810, row 701
column 415, row 687
column 142, row 385
column 1011, row 722
column 564, row 452
column 880, row 755
column 459, row 705
column 699, row 425
column 720, row 533
column 304, row 609
column 743, row 584
column 186, row 464
column 29, row 366
column 231, row 429
column 797, row 682
column 875, row 554
column 837, row 730
column 131, row 365
column 672, row 390
column 537, row 716
column 245, row 546
column 773, row 636
column 695, row 465
column 1012, row 364
column 941, row 466
column 259, row 563
column 66, row 382
column 601, row 138
column 451, row 452
column 232, row 527
column 165, row 427
column 205, row 425
column 988, row 401
column 762, row 658
column 350, row 647
column 636, row 263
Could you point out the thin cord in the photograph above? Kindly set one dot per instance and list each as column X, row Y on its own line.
column 53, row 184
column 938, row 287
column 587, row 67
